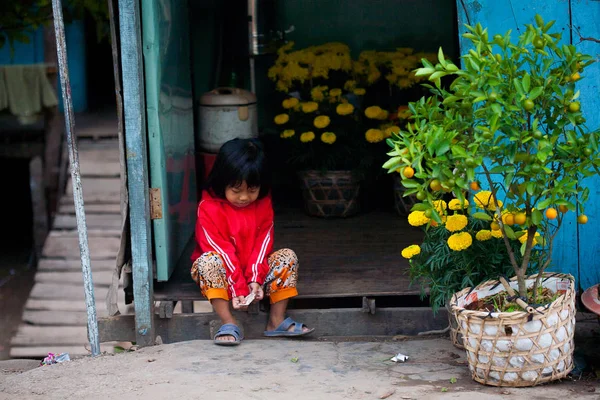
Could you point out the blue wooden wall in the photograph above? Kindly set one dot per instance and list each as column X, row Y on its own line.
column 33, row 53
column 577, row 247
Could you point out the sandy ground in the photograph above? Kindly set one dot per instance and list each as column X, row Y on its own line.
column 272, row 369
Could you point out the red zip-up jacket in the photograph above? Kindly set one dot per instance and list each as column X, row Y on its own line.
column 243, row 237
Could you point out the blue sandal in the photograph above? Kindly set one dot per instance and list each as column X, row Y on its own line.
column 282, row 329
column 228, row 330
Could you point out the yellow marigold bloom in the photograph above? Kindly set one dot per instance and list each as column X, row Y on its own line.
column 374, row 135
column 390, row 130
column 350, row 85
column 373, row 112
column 359, row 91
column 485, row 200
column 497, row 233
column 282, row 119
column 290, row 103
column 344, row 109
column 440, row 206
column 403, row 112
column 307, row 137
column 309, row 106
column 456, row 222
column 317, row 94
column 288, row 133
column 335, row 92
column 328, row 137
column 383, row 115
column 417, row 218
column 411, row 251
column 322, row 121
column 523, row 238
column 483, row 235
column 455, row 205
column 460, row 241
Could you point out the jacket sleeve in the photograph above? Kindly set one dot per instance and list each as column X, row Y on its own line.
column 210, row 238
column 264, row 243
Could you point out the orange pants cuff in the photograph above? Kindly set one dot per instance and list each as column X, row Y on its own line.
column 217, row 294
column 283, row 294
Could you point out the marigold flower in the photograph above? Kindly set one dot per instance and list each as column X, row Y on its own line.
column 440, row 206
column 350, row 85
column 390, row 130
column 460, row 241
column 359, row 91
column 335, row 92
column 497, row 233
column 290, row 103
column 483, row 235
column 282, row 119
column 455, row 204
column 383, row 115
column 344, row 109
column 411, row 251
column 374, row 135
column 403, row 112
column 328, row 137
column 523, row 238
column 322, row 121
column 417, row 218
column 373, row 112
column 485, row 200
column 317, row 93
column 309, row 106
column 456, row 222
column 288, row 133
column 307, row 137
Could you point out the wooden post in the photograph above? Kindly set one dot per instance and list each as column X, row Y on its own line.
column 38, row 205
column 137, row 169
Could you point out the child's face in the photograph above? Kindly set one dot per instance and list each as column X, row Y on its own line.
column 242, row 195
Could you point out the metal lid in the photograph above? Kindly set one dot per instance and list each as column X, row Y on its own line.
column 226, row 96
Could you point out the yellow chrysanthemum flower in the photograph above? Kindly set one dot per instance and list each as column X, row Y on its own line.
column 456, row 222
column 411, row 251
column 288, row 133
column 523, row 238
column 307, row 137
column 350, row 85
column 290, row 103
column 460, row 241
column 383, row 115
column 390, row 130
column 403, row 112
column 359, row 91
column 317, row 94
column 483, row 235
column 455, row 205
column 282, row 119
column 497, row 233
column 322, row 121
column 328, row 137
column 485, row 200
column 440, row 206
column 373, row 112
column 335, row 92
column 344, row 109
column 417, row 218
column 309, row 106
column 374, row 135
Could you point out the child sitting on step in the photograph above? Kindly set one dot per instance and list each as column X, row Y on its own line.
column 234, row 234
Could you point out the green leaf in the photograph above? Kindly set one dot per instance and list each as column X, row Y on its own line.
column 450, row 100
column 443, row 147
column 451, row 67
column 526, row 82
column 458, row 151
column 424, row 71
column 531, row 188
column 509, row 232
column 392, row 163
column 523, row 248
column 441, row 57
column 437, row 75
column 497, row 108
column 519, row 86
column 536, row 217
column 410, row 183
column 420, row 207
column 482, row 216
column 536, row 92
column 545, row 203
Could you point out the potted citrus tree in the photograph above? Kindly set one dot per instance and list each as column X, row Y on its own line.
column 511, row 119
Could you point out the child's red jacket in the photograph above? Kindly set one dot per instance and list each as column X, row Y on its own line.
column 243, row 237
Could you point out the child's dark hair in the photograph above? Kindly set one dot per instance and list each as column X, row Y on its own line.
column 239, row 160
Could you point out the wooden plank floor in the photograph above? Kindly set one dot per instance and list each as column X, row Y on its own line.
column 55, row 319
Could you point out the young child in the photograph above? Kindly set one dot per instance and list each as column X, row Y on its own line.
column 234, row 236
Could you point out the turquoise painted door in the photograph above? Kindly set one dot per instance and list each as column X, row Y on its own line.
column 169, row 108
column 576, row 246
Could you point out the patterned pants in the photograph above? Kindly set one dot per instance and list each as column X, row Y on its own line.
column 208, row 271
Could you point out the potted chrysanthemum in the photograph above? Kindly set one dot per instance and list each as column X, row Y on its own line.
column 512, row 118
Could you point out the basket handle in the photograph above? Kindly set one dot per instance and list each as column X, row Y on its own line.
column 518, row 300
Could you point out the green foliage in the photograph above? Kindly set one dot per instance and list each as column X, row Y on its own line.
column 512, row 115
column 20, row 18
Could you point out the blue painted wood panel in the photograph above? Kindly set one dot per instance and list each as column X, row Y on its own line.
column 169, row 109
column 499, row 16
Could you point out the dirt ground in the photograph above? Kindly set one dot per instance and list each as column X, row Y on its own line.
column 273, row 369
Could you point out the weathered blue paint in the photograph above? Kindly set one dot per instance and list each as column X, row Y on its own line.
column 575, row 247
column 137, row 169
column 586, row 22
column 170, row 113
column 33, row 53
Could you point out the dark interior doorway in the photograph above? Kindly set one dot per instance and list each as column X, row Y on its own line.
column 100, row 78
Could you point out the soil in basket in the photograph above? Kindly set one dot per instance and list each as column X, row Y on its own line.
column 499, row 302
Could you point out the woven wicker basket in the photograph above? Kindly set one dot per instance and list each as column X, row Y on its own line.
column 455, row 333
column 516, row 348
column 402, row 203
column 330, row 194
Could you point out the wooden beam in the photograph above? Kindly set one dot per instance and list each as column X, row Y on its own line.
column 137, row 169
column 332, row 322
column 38, row 205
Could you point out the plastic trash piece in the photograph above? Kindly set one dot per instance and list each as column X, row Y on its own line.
column 399, row 358
column 55, row 358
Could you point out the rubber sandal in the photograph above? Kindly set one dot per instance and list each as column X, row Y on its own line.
column 228, row 330
column 282, row 329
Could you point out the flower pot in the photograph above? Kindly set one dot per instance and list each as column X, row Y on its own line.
column 402, row 203
column 455, row 334
column 330, row 194
column 517, row 348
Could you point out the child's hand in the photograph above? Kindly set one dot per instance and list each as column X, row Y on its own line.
column 237, row 303
column 257, row 290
